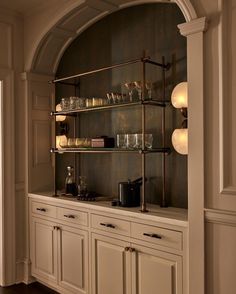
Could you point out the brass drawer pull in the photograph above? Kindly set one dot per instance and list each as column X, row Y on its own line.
column 152, row 235
column 41, row 209
column 108, row 225
column 69, row 215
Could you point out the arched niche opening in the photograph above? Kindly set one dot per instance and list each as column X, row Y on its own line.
column 42, row 60
column 121, row 36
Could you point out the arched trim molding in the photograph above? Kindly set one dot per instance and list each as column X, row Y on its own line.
column 46, row 51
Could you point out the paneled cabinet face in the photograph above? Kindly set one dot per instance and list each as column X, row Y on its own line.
column 44, row 249
column 120, row 267
column 59, row 255
column 155, row 272
column 110, row 266
column 73, row 259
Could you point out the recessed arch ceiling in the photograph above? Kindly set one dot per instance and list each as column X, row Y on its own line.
column 51, row 48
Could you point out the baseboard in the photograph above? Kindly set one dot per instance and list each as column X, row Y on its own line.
column 23, row 270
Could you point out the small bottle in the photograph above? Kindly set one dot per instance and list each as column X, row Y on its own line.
column 70, row 184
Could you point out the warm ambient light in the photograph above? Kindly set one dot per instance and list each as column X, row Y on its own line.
column 179, row 97
column 59, row 117
column 180, row 141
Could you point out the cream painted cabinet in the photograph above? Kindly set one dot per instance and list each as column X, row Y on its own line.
column 111, row 266
column 59, row 255
column 120, row 267
column 155, row 272
column 73, row 259
column 78, row 250
column 43, row 249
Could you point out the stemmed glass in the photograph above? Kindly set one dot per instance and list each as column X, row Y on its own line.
column 149, row 88
column 138, row 86
column 130, row 87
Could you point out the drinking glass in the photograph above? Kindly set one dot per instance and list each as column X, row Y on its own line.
column 72, row 102
column 149, row 86
column 114, row 97
column 88, row 102
column 138, row 141
column 120, row 141
column 65, row 104
column 79, row 142
column 119, row 98
column 138, row 86
column 109, row 98
column 87, row 143
column 148, row 141
column 80, row 102
column 130, row 140
column 71, row 142
column 63, row 142
column 130, row 87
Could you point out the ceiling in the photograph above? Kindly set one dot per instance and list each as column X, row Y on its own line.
column 24, row 7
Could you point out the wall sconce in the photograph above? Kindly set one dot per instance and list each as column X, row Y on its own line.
column 179, row 100
column 61, row 129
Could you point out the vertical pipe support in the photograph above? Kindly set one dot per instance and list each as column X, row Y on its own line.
column 163, row 130
column 143, row 198
column 54, row 154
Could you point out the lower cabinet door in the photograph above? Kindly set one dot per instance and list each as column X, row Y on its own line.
column 111, row 271
column 155, row 272
column 44, row 250
column 73, row 259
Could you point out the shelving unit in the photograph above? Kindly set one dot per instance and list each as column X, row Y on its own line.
column 143, row 103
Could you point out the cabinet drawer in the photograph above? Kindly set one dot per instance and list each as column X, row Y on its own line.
column 44, row 209
column 156, row 235
column 73, row 216
column 110, row 224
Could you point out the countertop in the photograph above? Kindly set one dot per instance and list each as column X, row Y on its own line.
column 168, row 215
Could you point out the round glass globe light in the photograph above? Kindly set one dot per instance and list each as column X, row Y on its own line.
column 180, row 141
column 179, row 96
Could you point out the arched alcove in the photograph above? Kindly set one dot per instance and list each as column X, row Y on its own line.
column 48, row 49
column 42, row 62
column 118, row 37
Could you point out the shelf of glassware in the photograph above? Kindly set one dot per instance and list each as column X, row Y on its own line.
column 165, row 150
column 72, row 112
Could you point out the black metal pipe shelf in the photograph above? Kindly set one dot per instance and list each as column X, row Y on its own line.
column 165, row 150
column 159, row 103
column 143, row 60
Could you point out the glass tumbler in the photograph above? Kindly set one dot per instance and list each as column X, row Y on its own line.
column 138, row 141
column 148, row 141
column 65, row 104
column 130, row 141
column 73, row 102
column 120, row 141
column 71, row 142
